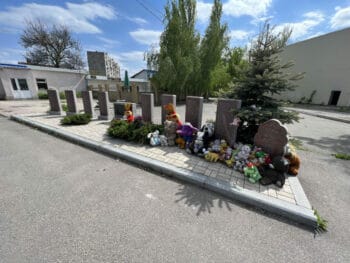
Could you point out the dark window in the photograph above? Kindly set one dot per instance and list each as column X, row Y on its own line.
column 41, row 83
column 23, row 84
column 333, row 100
column 14, row 85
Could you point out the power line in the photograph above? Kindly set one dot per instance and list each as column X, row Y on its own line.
column 149, row 10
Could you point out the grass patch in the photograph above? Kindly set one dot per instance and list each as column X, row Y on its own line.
column 342, row 156
column 297, row 144
column 62, row 95
column 322, row 223
column 42, row 95
column 76, row 119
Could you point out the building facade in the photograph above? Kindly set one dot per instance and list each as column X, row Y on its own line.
column 25, row 81
column 326, row 62
column 100, row 64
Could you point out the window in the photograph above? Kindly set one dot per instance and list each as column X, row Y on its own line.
column 41, row 83
column 23, row 84
column 14, row 84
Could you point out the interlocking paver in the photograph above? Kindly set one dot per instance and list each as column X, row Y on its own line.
column 96, row 130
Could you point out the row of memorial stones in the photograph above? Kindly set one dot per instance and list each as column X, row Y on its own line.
column 224, row 126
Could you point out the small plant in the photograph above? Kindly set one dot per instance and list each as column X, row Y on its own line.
column 76, row 119
column 321, row 223
column 42, row 95
column 78, row 94
column 342, row 156
column 62, row 95
column 64, row 107
column 136, row 131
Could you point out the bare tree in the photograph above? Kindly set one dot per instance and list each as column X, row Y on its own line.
column 53, row 46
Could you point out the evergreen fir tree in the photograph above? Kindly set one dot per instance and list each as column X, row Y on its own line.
column 265, row 76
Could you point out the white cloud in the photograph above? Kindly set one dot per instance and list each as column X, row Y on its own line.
column 240, row 34
column 11, row 55
column 109, row 41
column 132, row 61
column 341, row 18
column 138, row 20
column 253, row 8
column 303, row 29
column 146, row 37
column 78, row 17
column 203, row 11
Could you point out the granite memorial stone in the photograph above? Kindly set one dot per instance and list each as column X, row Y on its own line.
column 88, row 102
column 194, row 111
column 71, row 102
column 103, row 104
column 55, row 102
column 272, row 137
column 225, row 128
column 147, row 105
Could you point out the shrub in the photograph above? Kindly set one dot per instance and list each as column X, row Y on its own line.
column 136, row 131
column 42, row 95
column 342, row 156
column 78, row 94
column 64, row 107
column 62, row 95
column 76, row 119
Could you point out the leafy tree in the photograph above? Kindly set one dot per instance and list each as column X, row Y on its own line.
column 178, row 59
column 236, row 62
column 265, row 76
column 211, row 49
column 53, row 46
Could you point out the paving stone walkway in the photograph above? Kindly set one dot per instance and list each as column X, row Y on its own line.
column 96, row 130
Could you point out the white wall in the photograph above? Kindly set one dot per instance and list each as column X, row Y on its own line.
column 61, row 80
column 326, row 63
column 7, row 73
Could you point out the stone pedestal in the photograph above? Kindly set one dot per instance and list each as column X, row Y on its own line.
column 119, row 109
column 88, row 103
column 194, row 111
column 71, row 102
column 55, row 102
column 224, row 127
column 147, row 105
column 103, row 104
column 166, row 99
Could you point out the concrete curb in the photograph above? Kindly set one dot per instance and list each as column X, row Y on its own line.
column 296, row 213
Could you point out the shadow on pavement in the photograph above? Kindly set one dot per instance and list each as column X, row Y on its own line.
column 340, row 144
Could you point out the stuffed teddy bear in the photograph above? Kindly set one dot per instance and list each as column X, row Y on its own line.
column 211, row 157
column 154, row 139
column 274, row 173
column 180, row 142
column 171, row 115
column 294, row 163
column 128, row 115
column 170, row 132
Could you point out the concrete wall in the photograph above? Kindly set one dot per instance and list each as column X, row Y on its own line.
column 326, row 63
column 6, row 74
column 61, row 80
column 2, row 91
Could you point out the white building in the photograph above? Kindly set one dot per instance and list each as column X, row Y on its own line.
column 25, row 81
column 326, row 62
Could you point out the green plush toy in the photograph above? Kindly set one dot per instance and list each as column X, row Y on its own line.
column 251, row 171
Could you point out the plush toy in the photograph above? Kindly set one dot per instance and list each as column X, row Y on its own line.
column 215, row 146
column 163, row 140
column 128, row 115
column 274, row 173
column 171, row 115
column 251, row 171
column 187, row 132
column 207, row 134
column 294, row 163
column 244, row 153
column 154, row 139
column 211, row 157
column 239, row 165
column 180, row 142
column 170, row 132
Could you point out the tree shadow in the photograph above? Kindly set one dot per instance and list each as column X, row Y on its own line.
column 339, row 144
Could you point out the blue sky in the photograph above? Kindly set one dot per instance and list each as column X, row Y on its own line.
column 126, row 29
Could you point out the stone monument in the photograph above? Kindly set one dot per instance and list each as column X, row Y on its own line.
column 71, row 102
column 103, row 104
column 166, row 99
column 272, row 137
column 88, row 102
column 147, row 105
column 55, row 102
column 194, row 111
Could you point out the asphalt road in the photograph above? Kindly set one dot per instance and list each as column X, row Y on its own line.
column 60, row 202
